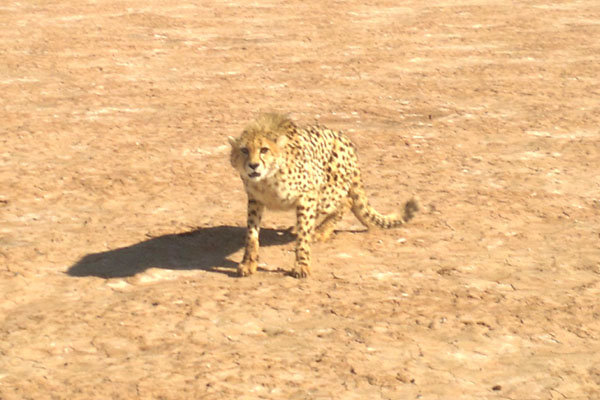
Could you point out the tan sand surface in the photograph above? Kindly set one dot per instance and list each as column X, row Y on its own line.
column 121, row 221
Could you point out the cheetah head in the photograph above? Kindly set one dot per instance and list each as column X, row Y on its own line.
column 257, row 157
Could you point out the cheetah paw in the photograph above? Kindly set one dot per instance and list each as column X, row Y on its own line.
column 322, row 236
column 246, row 269
column 303, row 272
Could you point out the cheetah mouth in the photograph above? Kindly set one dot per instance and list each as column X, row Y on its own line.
column 254, row 175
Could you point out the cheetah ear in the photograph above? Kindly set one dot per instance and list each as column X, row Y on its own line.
column 282, row 141
column 233, row 142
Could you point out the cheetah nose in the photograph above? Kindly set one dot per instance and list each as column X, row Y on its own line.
column 253, row 165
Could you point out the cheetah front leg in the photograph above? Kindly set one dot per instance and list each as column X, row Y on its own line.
column 250, row 261
column 306, row 214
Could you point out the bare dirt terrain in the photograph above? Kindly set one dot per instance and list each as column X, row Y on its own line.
column 121, row 221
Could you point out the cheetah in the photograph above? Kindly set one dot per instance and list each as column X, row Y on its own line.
column 312, row 169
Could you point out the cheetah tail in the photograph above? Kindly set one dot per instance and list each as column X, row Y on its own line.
column 368, row 216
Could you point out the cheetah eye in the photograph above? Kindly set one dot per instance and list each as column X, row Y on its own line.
column 244, row 150
column 264, row 150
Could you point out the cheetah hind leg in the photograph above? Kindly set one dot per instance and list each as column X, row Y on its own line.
column 325, row 229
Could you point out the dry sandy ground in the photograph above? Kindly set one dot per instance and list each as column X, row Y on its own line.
column 121, row 221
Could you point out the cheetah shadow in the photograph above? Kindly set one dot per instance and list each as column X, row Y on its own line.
column 204, row 248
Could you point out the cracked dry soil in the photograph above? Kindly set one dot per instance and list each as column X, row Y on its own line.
column 121, row 222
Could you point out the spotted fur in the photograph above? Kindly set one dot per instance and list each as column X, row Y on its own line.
column 312, row 169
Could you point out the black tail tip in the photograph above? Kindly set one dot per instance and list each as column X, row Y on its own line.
column 411, row 207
